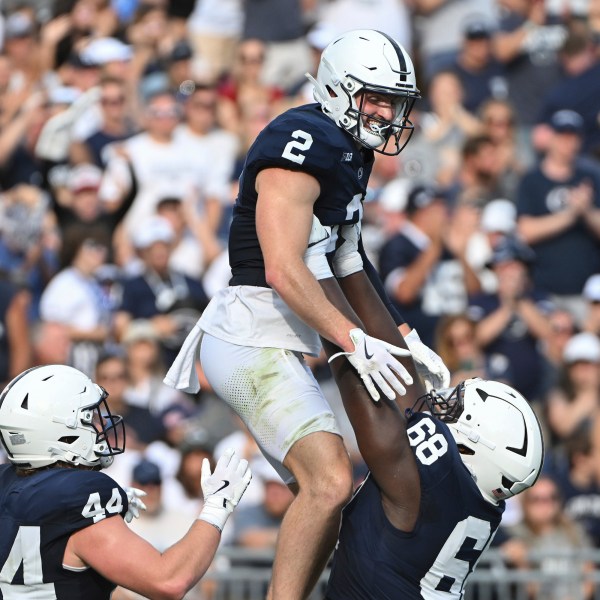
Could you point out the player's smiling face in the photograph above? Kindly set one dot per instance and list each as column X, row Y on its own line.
column 377, row 107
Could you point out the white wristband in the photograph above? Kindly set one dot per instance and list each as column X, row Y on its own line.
column 214, row 514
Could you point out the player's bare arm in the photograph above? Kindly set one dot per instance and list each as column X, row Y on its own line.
column 284, row 216
column 380, row 428
column 113, row 550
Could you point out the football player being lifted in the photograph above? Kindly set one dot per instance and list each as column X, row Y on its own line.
column 296, row 224
column 62, row 521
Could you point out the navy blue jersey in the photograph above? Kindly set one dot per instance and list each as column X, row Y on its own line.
column 38, row 514
column 374, row 560
column 301, row 139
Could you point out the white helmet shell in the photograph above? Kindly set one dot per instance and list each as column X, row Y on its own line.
column 367, row 60
column 498, row 434
column 56, row 413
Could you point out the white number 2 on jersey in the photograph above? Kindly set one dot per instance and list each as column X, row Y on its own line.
column 456, row 559
column 429, row 447
column 302, row 142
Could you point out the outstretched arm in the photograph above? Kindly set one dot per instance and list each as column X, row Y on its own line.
column 380, row 428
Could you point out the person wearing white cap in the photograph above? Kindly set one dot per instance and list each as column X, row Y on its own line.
column 498, row 218
column 168, row 299
column 591, row 294
column 574, row 401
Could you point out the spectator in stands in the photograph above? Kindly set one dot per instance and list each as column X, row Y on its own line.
column 29, row 241
column 195, row 244
column 258, row 524
column 115, row 125
column 159, row 525
column 113, row 372
column 74, row 298
column 443, row 129
column 78, row 208
column 512, row 321
column 496, row 220
column 145, row 389
column 457, row 345
column 22, row 48
column 170, row 300
column 558, row 206
column 421, row 273
column 215, row 27
column 476, row 181
column 547, row 531
column 15, row 345
column 51, row 343
column 279, row 25
column 513, row 154
column 591, row 295
column 564, row 327
column 479, row 72
column 18, row 139
column 580, row 484
column 207, row 140
column 577, row 90
column 439, row 25
column 575, row 401
column 526, row 43
column 244, row 89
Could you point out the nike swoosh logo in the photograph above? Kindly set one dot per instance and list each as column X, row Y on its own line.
column 225, row 484
column 367, row 355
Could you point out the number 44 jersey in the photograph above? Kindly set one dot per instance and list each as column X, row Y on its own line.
column 375, row 561
column 38, row 513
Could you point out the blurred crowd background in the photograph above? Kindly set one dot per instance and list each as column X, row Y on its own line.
column 123, row 129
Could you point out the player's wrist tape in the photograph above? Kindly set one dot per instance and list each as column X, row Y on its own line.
column 347, row 264
column 214, row 513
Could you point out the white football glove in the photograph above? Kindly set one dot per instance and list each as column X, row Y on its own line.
column 432, row 370
column 374, row 361
column 134, row 503
column 223, row 489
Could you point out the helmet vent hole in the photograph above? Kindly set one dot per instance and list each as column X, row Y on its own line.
column 465, row 450
column 506, row 482
column 49, row 377
column 68, row 439
column 25, row 403
column 468, row 417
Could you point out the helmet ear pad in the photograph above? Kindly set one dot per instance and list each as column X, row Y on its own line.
column 55, row 413
column 363, row 61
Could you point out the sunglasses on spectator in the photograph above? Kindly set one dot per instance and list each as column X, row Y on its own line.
column 121, row 375
column 203, row 105
column 543, row 499
column 117, row 101
column 249, row 59
column 163, row 113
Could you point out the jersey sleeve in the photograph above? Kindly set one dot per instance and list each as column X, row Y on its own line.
column 299, row 144
column 71, row 498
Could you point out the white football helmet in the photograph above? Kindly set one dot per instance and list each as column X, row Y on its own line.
column 56, row 413
column 366, row 60
column 497, row 433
